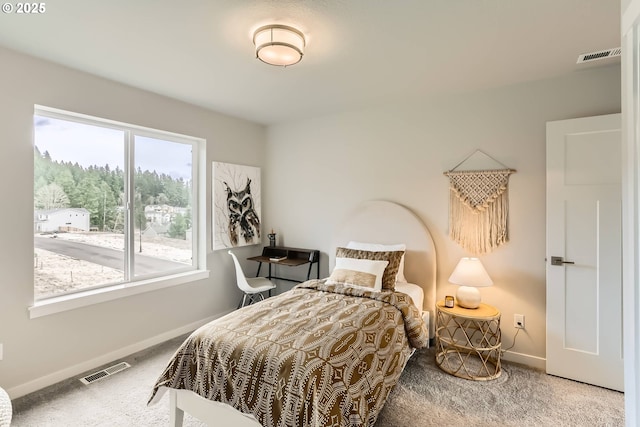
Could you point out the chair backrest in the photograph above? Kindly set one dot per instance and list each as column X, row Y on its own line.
column 240, row 277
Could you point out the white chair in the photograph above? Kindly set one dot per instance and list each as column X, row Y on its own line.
column 251, row 286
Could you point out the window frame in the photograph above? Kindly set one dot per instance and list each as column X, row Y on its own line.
column 136, row 284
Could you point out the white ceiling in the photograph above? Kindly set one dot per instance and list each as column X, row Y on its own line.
column 359, row 52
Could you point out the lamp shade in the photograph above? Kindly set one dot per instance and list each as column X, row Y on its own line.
column 279, row 45
column 469, row 274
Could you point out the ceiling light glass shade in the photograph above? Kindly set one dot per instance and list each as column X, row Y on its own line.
column 279, row 45
column 469, row 274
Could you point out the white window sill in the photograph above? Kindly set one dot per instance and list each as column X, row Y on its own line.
column 110, row 293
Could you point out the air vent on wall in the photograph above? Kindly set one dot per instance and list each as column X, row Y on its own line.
column 105, row 373
column 595, row 56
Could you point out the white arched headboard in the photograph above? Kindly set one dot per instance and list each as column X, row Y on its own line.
column 388, row 223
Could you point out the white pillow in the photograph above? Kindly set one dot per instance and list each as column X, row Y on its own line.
column 377, row 247
column 361, row 273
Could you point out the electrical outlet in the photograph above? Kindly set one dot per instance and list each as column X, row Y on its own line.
column 518, row 321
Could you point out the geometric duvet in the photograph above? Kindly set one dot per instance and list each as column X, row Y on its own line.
column 317, row 355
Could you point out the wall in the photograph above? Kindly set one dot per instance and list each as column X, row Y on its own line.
column 320, row 169
column 47, row 349
column 314, row 172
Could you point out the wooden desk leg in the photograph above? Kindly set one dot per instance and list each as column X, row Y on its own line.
column 259, row 267
column 309, row 271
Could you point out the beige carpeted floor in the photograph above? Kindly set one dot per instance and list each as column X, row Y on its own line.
column 425, row 396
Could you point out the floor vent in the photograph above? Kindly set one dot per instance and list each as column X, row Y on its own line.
column 91, row 378
column 602, row 54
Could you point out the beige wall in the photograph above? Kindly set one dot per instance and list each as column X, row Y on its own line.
column 318, row 170
column 36, row 351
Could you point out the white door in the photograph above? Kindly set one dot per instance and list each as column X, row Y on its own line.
column 584, row 250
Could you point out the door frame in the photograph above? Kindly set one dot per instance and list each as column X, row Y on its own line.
column 630, row 29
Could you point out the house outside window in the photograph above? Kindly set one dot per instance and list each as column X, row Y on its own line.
column 115, row 205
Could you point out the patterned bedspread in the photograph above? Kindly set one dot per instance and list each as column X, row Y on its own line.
column 317, row 355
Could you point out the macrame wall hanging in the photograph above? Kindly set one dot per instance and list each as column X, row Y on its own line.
column 479, row 206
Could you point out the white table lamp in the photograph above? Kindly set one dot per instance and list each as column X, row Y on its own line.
column 470, row 275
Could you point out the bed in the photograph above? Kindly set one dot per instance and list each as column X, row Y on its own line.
column 327, row 352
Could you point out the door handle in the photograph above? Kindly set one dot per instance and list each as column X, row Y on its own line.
column 558, row 260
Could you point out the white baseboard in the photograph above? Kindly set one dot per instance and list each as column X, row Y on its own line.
column 77, row 369
column 526, row 359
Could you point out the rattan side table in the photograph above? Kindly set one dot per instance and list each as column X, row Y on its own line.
column 468, row 341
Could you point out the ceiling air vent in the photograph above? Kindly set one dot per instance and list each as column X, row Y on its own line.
column 105, row 373
column 602, row 54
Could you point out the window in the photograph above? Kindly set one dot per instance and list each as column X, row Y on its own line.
column 115, row 205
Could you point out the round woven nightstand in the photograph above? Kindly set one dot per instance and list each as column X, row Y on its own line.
column 5, row 409
column 468, row 341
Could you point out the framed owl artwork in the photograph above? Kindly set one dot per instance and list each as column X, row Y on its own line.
column 236, row 203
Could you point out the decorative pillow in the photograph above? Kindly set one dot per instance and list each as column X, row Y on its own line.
column 362, row 273
column 390, row 273
column 377, row 247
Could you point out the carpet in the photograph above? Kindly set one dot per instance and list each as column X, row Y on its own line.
column 521, row 396
column 425, row 396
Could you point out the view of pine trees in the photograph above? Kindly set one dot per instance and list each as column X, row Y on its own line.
column 100, row 190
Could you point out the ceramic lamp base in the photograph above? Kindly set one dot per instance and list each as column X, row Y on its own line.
column 468, row 297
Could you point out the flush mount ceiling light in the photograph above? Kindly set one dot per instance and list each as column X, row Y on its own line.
column 279, row 45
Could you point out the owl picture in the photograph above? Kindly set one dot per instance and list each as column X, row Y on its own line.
column 244, row 222
column 236, row 205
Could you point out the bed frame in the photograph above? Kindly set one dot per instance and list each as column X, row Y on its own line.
column 372, row 222
column 390, row 223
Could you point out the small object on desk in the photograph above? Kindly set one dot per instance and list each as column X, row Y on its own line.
column 272, row 238
column 448, row 301
column 276, row 259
